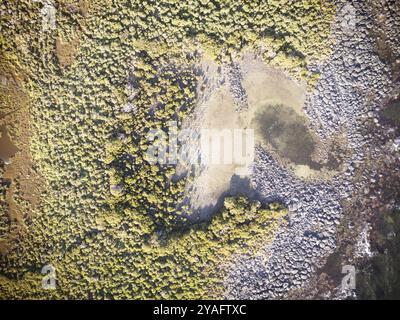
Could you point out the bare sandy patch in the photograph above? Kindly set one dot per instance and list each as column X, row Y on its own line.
column 274, row 111
column 268, row 86
column 214, row 180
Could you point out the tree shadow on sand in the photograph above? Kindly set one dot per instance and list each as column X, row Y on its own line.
column 238, row 186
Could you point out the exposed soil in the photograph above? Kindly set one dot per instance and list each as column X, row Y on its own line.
column 7, row 148
column 21, row 182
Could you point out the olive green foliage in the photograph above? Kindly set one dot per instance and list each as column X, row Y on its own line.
column 163, row 94
column 110, row 222
column 115, row 261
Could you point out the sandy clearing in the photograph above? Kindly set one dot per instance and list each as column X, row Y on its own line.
column 274, row 111
column 264, row 86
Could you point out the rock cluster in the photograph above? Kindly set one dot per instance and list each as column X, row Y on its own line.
column 233, row 74
column 354, row 84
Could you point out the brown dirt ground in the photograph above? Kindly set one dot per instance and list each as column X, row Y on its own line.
column 25, row 183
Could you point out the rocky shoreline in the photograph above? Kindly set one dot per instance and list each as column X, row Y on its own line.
column 355, row 84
